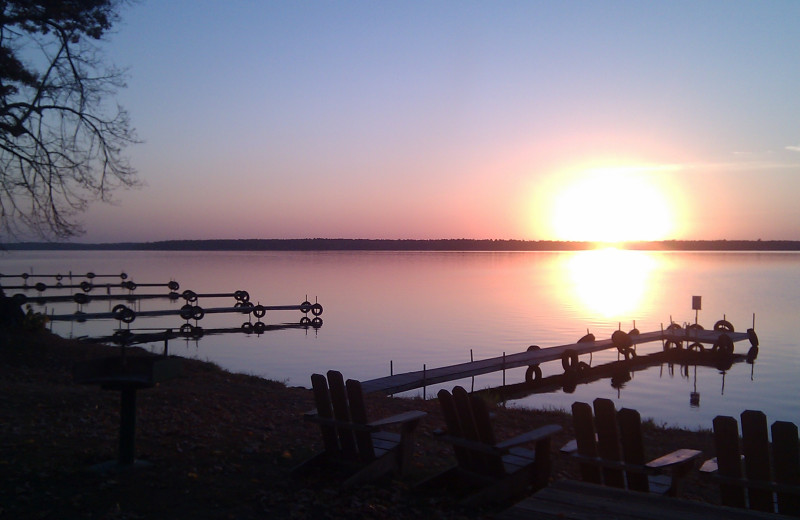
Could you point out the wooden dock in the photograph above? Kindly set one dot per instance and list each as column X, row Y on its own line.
column 421, row 378
column 572, row 500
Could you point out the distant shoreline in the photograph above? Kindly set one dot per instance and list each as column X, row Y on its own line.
column 346, row 244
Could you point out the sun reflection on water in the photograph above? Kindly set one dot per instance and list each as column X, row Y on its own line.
column 609, row 283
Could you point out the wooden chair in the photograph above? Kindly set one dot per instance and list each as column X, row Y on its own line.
column 746, row 477
column 352, row 441
column 610, row 450
column 493, row 471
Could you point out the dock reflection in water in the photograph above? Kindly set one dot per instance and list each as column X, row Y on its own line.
column 619, row 373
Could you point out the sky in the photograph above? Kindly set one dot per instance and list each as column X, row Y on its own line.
column 531, row 120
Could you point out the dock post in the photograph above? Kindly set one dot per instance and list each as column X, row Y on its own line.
column 166, row 342
column 473, row 377
column 504, row 370
column 424, row 369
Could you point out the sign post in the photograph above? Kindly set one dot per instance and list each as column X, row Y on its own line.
column 696, row 306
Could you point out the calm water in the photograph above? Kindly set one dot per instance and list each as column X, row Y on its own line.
column 437, row 308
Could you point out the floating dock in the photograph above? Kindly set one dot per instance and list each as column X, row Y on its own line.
column 673, row 337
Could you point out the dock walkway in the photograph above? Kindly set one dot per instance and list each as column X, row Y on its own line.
column 411, row 380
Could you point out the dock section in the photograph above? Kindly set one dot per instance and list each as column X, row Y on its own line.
column 566, row 353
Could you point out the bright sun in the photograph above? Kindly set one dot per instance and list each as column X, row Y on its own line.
column 612, row 205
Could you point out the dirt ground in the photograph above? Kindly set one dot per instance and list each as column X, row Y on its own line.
column 218, row 445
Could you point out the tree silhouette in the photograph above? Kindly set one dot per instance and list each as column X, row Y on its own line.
column 61, row 134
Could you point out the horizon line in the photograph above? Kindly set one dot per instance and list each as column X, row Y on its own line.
column 408, row 244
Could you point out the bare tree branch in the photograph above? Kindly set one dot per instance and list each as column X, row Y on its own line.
column 61, row 142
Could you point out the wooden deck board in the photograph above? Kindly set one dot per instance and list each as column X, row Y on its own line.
column 572, row 500
column 410, row 380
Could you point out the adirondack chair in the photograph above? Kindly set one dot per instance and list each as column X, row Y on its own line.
column 610, row 450
column 759, row 486
column 492, row 471
column 350, row 440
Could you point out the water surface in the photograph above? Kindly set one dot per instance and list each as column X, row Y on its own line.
column 408, row 309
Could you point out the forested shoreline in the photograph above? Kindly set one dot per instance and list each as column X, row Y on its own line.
column 348, row 244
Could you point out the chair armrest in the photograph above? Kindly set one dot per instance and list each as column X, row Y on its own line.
column 531, row 436
column 405, row 417
column 636, row 468
column 709, row 466
column 502, row 447
column 677, row 457
column 569, row 448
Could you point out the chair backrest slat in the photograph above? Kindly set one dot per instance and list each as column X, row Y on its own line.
column 468, row 429
column 583, row 423
column 483, row 426
column 341, row 411
column 448, row 406
column 630, row 428
column 755, row 447
column 322, row 400
column 786, row 460
column 358, row 413
column 608, row 441
column 729, row 459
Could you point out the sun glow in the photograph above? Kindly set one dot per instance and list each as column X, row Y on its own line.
column 612, row 205
column 610, row 283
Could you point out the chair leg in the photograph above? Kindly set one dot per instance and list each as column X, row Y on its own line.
column 678, row 473
column 405, row 451
column 542, row 465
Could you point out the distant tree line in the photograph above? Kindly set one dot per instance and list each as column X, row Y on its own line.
column 463, row 244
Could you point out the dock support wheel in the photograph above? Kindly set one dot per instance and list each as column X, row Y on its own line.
column 724, row 325
column 533, row 373
column 723, row 345
column 569, row 361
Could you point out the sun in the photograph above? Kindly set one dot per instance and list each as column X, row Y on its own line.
column 612, row 205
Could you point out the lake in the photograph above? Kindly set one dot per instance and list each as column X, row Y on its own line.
column 401, row 310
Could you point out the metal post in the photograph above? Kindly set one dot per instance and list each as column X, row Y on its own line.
column 166, row 342
column 127, row 426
